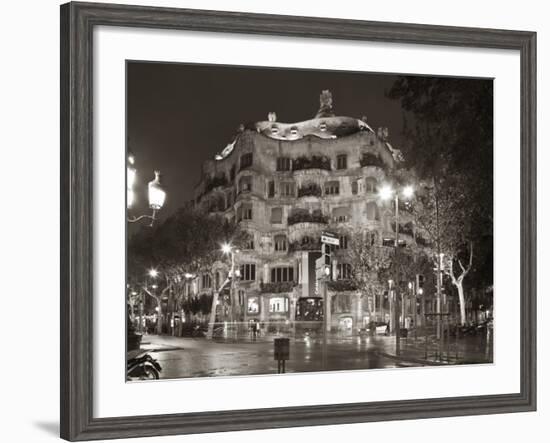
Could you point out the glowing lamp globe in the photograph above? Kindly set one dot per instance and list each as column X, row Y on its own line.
column 157, row 195
column 385, row 192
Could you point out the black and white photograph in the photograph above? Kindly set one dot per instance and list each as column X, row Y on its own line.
column 289, row 221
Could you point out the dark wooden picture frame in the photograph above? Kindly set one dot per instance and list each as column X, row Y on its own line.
column 77, row 214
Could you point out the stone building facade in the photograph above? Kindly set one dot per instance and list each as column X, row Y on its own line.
column 285, row 183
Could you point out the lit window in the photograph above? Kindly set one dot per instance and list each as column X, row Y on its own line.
column 248, row 272
column 277, row 215
column 253, row 305
column 342, row 161
column 284, row 164
column 280, row 243
column 282, row 274
column 332, row 188
column 278, row 304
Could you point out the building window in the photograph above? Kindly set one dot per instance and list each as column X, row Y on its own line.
column 253, row 305
column 343, row 242
column 370, row 185
column 282, row 274
column 354, row 187
column 206, row 281
column 278, row 304
column 288, row 189
column 249, row 243
column 342, row 161
column 341, row 215
column 371, row 238
column 344, row 271
column 248, row 272
column 280, row 243
column 372, row 211
column 229, row 199
column 245, row 184
column 284, row 164
column 332, row 188
column 271, row 189
column 232, row 173
column 277, row 215
column 245, row 212
column 246, row 160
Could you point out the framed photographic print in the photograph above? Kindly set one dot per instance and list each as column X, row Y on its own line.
column 274, row 221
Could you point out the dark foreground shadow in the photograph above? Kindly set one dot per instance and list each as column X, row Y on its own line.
column 49, row 427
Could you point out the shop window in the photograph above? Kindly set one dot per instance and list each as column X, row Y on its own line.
column 278, row 304
column 253, row 305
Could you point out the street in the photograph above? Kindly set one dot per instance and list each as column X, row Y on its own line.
column 182, row 357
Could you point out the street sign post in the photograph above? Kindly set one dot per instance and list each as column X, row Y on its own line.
column 329, row 238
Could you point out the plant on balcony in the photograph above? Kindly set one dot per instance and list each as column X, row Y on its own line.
column 277, row 287
column 341, row 285
column 310, row 189
column 304, row 216
column 306, row 244
column 370, row 159
column 313, row 162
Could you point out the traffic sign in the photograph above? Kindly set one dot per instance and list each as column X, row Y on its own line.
column 330, row 239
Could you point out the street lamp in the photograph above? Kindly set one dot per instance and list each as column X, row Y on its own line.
column 153, row 273
column 234, row 274
column 156, row 192
column 385, row 193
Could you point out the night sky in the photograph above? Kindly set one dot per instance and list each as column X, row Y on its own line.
column 182, row 114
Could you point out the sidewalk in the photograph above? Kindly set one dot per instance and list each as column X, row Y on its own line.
column 470, row 350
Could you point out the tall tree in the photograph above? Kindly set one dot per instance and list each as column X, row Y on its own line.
column 449, row 133
column 187, row 243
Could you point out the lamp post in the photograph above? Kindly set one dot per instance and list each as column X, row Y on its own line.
column 234, row 274
column 385, row 194
column 156, row 193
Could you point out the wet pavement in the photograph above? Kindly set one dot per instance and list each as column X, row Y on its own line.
column 182, row 357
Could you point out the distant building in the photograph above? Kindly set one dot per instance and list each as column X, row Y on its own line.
column 285, row 183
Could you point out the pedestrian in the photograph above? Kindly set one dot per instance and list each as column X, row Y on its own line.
column 254, row 330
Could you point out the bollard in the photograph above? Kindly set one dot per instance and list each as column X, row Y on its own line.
column 281, row 353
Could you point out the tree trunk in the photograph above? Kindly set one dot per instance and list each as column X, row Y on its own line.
column 461, row 303
column 159, row 317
